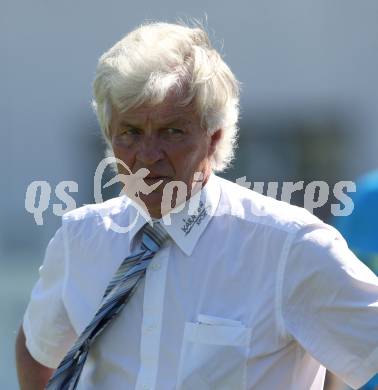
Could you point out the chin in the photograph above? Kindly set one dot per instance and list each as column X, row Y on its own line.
column 153, row 202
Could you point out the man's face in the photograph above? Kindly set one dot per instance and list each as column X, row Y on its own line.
column 168, row 141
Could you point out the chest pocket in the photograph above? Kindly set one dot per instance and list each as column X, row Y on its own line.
column 214, row 355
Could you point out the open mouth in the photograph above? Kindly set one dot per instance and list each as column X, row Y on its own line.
column 155, row 179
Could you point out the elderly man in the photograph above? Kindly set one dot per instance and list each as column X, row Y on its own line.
column 224, row 288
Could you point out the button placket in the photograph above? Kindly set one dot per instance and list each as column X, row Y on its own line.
column 152, row 317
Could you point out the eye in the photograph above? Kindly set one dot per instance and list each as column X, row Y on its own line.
column 174, row 131
column 129, row 131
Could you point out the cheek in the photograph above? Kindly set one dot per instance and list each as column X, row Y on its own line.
column 187, row 156
column 124, row 153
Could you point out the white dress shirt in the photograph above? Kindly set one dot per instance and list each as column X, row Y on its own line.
column 249, row 293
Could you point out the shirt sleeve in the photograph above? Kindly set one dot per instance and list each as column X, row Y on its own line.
column 330, row 304
column 48, row 330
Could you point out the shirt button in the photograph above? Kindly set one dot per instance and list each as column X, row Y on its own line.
column 149, row 328
column 155, row 266
column 145, row 387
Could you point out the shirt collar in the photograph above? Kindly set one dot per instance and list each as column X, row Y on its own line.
column 187, row 222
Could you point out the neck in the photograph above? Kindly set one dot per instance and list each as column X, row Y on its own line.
column 177, row 200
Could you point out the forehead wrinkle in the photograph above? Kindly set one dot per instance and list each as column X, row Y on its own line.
column 158, row 118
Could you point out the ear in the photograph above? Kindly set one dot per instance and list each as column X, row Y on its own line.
column 214, row 139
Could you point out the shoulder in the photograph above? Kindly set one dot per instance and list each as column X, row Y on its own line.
column 109, row 208
column 98, row 216
column 251, row 208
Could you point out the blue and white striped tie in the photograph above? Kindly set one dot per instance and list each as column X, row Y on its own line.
column 117, row 294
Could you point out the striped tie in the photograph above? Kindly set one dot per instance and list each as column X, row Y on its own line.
column 117, row 294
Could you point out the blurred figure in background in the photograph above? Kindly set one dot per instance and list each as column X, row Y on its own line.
column 360, row 228
column 360, row 231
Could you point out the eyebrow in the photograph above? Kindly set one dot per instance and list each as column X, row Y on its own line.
column 174, row 122
column 127, row 124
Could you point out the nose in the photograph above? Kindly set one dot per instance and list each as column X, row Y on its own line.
column 149, row 151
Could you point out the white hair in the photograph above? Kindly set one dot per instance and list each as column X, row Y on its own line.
column 158, row 59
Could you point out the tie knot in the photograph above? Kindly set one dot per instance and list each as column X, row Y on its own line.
column 154, row 236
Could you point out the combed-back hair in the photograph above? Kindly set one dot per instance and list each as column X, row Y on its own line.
column 158, row 59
